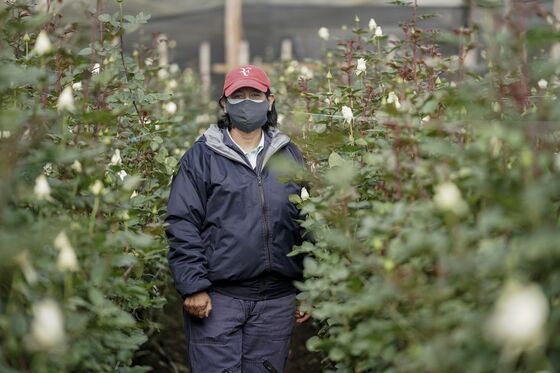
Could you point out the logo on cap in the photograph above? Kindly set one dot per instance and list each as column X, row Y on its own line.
column 245, row 71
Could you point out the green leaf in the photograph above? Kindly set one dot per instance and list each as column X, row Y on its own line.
column 335, row 160
column 104, row 17
column 85, row 52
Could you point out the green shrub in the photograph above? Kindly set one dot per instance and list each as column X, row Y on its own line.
column 89, row 144
column 435, row 199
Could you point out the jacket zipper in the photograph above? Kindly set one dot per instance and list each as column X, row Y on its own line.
column 266, row 228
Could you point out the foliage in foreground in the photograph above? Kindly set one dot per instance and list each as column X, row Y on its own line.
column 90, row 138
column 436, row 198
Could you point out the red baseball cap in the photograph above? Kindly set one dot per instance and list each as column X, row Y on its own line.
column 246, row 76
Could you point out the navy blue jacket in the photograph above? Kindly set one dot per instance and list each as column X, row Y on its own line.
column 227, row 222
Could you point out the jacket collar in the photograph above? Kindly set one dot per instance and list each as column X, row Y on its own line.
column 219, row 142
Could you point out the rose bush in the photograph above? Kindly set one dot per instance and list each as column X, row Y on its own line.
column 435, row 196
column 90, row 138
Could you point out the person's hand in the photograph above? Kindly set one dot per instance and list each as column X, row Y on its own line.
column 301, row 317
column 198, row 304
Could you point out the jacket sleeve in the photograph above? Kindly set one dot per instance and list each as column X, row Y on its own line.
column 185, row 214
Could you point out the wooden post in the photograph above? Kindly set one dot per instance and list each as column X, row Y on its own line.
column 204, row 67
column 555, row 52
column 286, row 50
column 244, row 53
column 163, row 57
column 232, row 32
column 471, row 58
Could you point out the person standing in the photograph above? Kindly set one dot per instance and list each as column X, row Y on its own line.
column 230, row 227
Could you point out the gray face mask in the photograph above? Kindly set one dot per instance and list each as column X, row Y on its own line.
column 248, row 115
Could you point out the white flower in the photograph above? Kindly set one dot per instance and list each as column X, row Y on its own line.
column 304, row 194
column 170, row 107
column 77, row 86
column 448, row 198
column 372, row 25
column 426, row 119
column 47, row 327
column 97, row 187
column 42, row 44
column 174, row 68
column 172, row 84
column 347, row 114
column 542, row 84
column 392, row 98
column 29, row 272
column 162, row 74
column 557, row 161
column 149, row 61
column 5, row 134
column 67, row 260
column 324, row 33
column 122, row 174
column 42, row 189
column 519, row 316
column 361, row 67
column 96, row 69
column 305, row 73
column 134, row 194
column 66, row 100
column 116, row 158
column 47, row 168
column 77, row 166
column 378, row 32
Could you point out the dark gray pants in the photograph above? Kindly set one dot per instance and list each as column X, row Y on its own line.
column 241, row 335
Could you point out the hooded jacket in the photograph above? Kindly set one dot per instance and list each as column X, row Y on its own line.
column 227, row 222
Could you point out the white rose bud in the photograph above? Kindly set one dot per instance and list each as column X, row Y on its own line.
column 96, row 69
column 174, row 68
column 361, row 66
column 42, row 189
column 134, row 194
column 392, row 98
column 67, row 260
column 97, row 187
column 324, row 33
column 77, row 166
column 557, row 161
column 77, row 86
column 448, row 198
column 519, row 316
column 304, row 194
column 43, row 44
column 116, row 158
column 122, row 174
column 347, row 114
column 162, row 74
column 372, row 25
column 543, row 84
column 66, row 100
column 378, row 32
column 306, row 73
column 170, row 107
column 172, row 84
column 47, row 327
